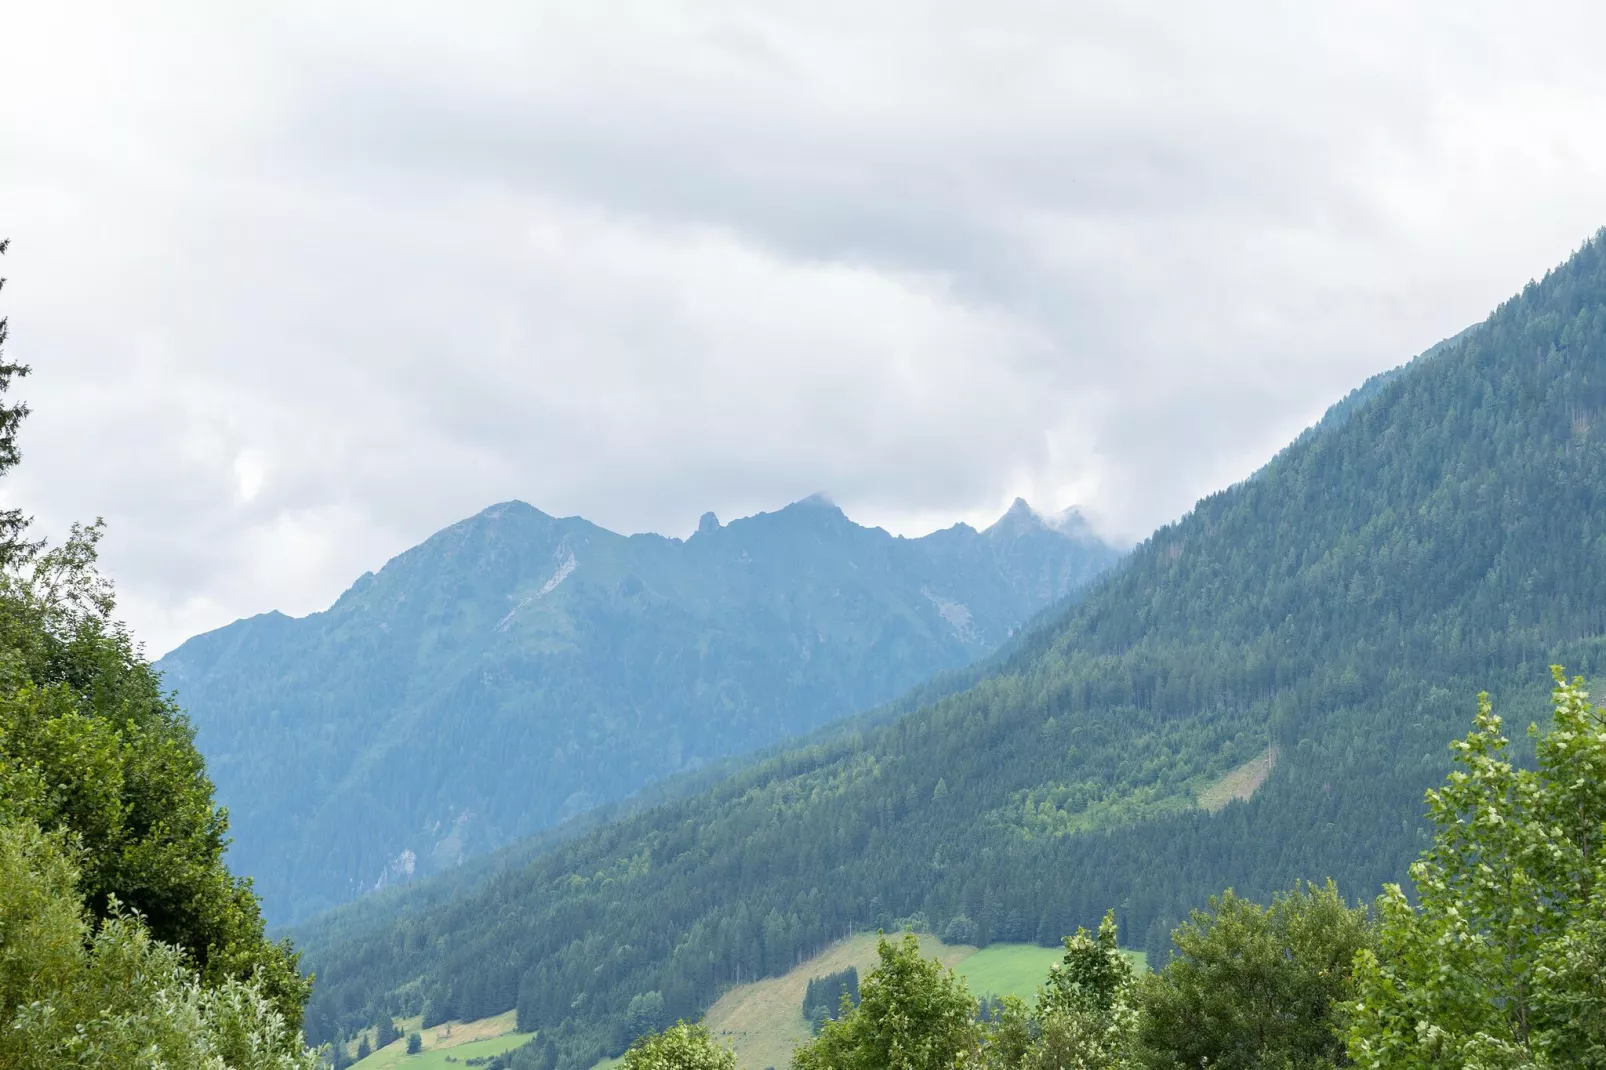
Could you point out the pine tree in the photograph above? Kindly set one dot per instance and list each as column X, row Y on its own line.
column 12, row 523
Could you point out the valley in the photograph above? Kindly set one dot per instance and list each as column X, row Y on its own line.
column 761, row 1020
column 1154, row 616
column 1259, row 696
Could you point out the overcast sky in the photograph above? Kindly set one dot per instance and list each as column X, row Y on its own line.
column 302, row 286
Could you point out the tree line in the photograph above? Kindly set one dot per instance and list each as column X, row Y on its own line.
column 1499, row 962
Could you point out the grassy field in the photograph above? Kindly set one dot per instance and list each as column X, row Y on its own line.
column 1016, row 969
column 447, row 1045
column 1008, row 969
column 764, row 1021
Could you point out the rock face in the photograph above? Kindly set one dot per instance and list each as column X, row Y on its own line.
column 516, row 669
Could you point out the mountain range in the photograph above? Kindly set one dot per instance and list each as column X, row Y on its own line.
column 1260, row 695
column 516, row 669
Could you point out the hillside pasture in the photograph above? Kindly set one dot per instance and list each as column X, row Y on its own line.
column 447, row 1045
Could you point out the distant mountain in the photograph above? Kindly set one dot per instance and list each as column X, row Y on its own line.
column 517, row 668
column 1260, row 695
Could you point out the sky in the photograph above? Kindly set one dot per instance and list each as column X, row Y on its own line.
column 302, row 283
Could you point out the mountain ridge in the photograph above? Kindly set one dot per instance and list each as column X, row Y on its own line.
column 555, row 665
column 1445, row 535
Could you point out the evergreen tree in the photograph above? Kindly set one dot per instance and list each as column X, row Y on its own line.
column 13, row 524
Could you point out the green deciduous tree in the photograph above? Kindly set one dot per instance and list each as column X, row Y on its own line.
column 123, row 937
column 913, row 1014
column 683, row 1046
column 1085, row 1014
column 1254, row 986
column 1499, row 964
column 107, row 996
column 90, row 748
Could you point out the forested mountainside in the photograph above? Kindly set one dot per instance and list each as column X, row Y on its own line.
column 1334, row 616
column 516, row 669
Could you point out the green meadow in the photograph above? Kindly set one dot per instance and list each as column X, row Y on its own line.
column 1014, row 969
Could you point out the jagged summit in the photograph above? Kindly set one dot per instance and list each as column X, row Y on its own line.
column 1021, row 518
column 570, row 665
column 1019, row 515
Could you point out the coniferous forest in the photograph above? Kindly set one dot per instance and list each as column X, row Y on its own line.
column 1441, row 533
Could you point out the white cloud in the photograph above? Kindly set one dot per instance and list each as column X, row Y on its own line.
column 303, row 283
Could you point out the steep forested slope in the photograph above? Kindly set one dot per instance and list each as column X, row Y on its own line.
column 516, row 669
column 1443, row 534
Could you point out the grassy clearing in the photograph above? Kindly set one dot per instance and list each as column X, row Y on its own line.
column 764, row 1021
column 446, row 1045
column 1017, row 969
column 1241, row 783
column 1008, row 969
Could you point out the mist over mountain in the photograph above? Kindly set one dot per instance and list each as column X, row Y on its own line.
column 516, row 669
column 1260, row 695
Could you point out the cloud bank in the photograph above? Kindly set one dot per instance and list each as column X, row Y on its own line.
column 305, row 283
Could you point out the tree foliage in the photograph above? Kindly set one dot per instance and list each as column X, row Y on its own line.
column 102, row 993
column 683, row 1046
column 1253, row 986
column 829, row 996
column 913, row 1014
column 1086, row 1014
column 121, row 929
column 91, row 748
column 1499, row 962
